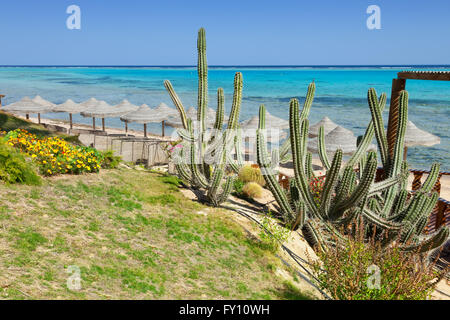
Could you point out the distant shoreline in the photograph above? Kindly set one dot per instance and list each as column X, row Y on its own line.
column 419, row 66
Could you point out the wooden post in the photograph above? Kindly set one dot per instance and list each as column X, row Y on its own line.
column 39, row 118
column 126, row 128
column 103, row 124
column 70, row 119
column 163, row 124
column 93, row 123
column 27, row 116
column 145, row 130
column 397, row 86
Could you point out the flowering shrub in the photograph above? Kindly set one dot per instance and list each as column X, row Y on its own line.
column 171, row 147
column 54, row 155
column 316, row 184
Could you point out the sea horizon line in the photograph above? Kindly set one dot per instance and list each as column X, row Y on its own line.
column 237, row 66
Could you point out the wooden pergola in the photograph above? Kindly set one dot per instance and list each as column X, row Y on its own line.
column 398, row 85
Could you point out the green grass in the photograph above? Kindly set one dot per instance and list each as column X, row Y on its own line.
column 133, row 235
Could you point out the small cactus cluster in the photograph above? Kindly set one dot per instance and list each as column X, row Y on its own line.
column 351, row 200
column 252, row 190
column 251, row 174
column 205, row 159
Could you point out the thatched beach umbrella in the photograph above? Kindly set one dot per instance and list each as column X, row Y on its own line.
column 104, row 110
column 168, row 113
column 191, row 113
column 88, row 104
column 274, row 127
column 327, row 124
column 271, row 122
column 45, row 103
column 144, row 115
column 27, row 106
column 338, row 138
column 418, row 137
column 70, row 107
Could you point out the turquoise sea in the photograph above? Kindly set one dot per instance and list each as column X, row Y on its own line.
column 340, row 94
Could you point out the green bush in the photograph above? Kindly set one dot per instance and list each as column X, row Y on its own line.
column 108, row 160
column 357, row 270
column 238, row 186
column 14, row 168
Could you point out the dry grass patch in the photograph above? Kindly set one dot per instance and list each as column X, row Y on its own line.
column 133, row 236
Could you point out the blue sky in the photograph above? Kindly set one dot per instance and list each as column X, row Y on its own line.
column 245, row 32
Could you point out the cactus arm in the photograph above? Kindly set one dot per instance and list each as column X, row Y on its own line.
column 269, row 177
column 383, row 185
column 378, row 221
column 302, row 183
column 202, row 69
column 399, row 146
column 330, row 182
column 434, row 241
column 227, row 188
column 308, row 166
column 380, row 134
column 218, row 124
column 431, row 179
column 344, row 184
column 361, row 190
column 322, row 149
column 368, row 135
column 217, row 175
column 185, row 135
column 396, row 164
column 313, row 236
column 177, row 102
column 400, row 202
column 233, row 121
column 308, row 101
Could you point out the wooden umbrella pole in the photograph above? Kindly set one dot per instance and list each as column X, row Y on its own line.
column 39, row 118
column 145, row 130
column 103, row 124
column 93, row 123
column 126, row 128
column 70, row 119
column 163, row 124
column 27, row 116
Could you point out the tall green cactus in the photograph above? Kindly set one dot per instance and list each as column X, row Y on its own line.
column 198, row 146
column 348, row 198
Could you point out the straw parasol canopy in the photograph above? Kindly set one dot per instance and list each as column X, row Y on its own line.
column 418, row 137
column 327, row 124
column 165, row 109
column 338, row 138
column 271, row 122
column 101, row 109
column 43, row 102
column 70, row 107
column 27, row 106
column 92, row 102
column 144, row 115
column 273, row 128
column 191, row 113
